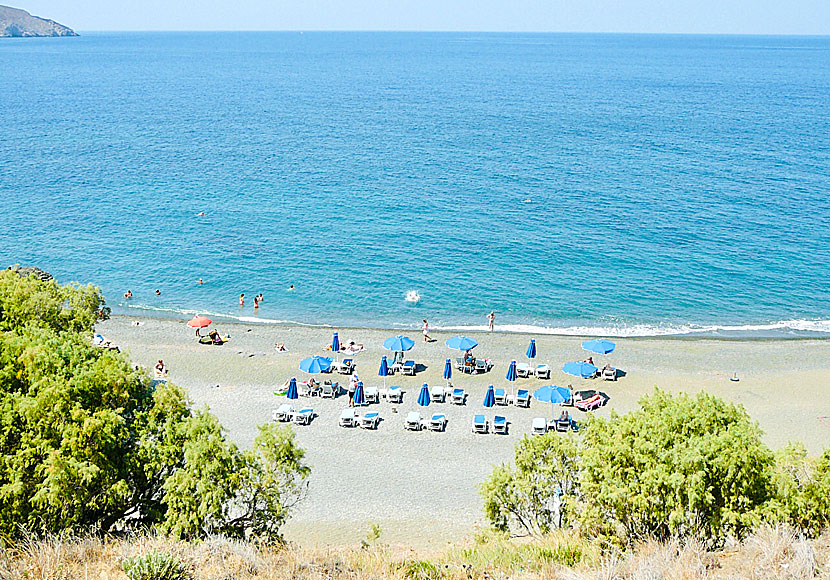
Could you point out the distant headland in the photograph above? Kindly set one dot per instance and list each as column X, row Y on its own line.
column 19, row 23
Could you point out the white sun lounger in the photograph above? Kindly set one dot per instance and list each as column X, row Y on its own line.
column 501, row 396
column 394, row 395
column 328, row 391
column 523, row 370
column 284, row 413
column 349, row 418
column 371, row 394
column 540, row 426
column 458, row 396
column 409, row 368
column 522, row 398
column 437, row 394
column 438, row 422
column 500, row 425
column 609, row 374
column 480, row 424
column 413, row 421
column 370, row 421
column 303, row 416
column 542, row 372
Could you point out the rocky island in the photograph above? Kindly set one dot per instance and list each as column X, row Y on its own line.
column 19, row 23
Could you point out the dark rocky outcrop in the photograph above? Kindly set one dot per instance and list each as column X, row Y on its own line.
column 19, row 23
column 24, row 271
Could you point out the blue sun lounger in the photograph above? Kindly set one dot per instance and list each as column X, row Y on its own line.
column 458, row 396
column 304, row 416
column 438, row 422
column 480, row 424
column 501, row 396
column 522, row 398
column 370, row 421
column 500, row 425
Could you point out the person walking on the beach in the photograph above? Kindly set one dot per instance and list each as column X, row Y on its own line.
column 352, row 387
column 242, row 300
column 491, row 320
column 426, row 331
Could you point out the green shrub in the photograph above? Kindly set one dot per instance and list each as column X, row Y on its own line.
column 156, row 566
column 421, row 570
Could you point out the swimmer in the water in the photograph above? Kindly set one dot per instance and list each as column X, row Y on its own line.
column 291, row 287
column 128, row 294
column 242, row 299
column 200, row 214
column 158, row 292
column 201, row 281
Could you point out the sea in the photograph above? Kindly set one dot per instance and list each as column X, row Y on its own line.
column 586, row 184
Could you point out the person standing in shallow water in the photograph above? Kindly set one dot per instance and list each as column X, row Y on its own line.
column 242, row 300
column 426, row 331
column 491, row 320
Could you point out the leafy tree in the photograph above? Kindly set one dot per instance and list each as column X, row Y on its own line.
column 534, row 496
column 87, row 442
column 803, row 489
column 680, row 466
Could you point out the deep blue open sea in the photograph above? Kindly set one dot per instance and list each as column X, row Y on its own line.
column 676, row 183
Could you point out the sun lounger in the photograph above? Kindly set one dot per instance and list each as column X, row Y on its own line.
column 349, row 418
column 409, row 368
column 371, row 394
column 330, row 390
column 563, row 425
column 346, row 367
column 394, row 395
column 501, row 396
column 303, row 416
column 370, row 421
column 500, row 425
column 480, row 424
column 284, row 413
column 437, row 394
column 542, row 372
column 438, row 422
column 459, row 363
column 413, row 421
column 522, row 398
column 540, row 426
column 523, row 370
column 458, row 396
column 482, row 365
column 609, row 374
column 590, row 404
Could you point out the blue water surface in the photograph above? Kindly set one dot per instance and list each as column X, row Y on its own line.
column 674, row 182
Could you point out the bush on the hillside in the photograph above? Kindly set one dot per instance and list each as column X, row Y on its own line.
column 803, row 490
column 534, row 497
column 156, row 566
column 86, row 442
column 681, row 466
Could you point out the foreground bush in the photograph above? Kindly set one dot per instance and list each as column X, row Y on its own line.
column 87, row 442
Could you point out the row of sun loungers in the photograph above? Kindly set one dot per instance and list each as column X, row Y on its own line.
column 413, row 422
column 524, row 371
column 482, row 425
column 351, row 418
column 286, row 414
column 540, row 425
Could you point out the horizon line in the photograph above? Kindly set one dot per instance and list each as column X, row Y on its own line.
column 448, row 31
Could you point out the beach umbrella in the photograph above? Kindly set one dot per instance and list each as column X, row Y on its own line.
column 489, row 397
column 199, row 322
column 553, row 395
column 383, row 370
column 315, row 364
column 398, row 343
column 448, row 371
column 579, row 369
column 423, row 396
column 291, row 393
column 511, row 376
column 462, row 343
column 531, row 349
column 335, row 345
column 599, row 346
column 358, row 397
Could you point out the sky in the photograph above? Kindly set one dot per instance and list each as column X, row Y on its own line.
column 640, row 16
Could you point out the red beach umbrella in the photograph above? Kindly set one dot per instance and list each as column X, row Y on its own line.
column 199, row 322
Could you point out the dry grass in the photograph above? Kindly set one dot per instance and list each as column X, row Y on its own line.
column 770, row 553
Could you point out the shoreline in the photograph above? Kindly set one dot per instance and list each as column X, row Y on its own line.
column 422, row 486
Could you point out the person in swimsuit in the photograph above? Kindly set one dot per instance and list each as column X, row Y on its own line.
column 242, row 299
column 426, row 331
column 491, row 320
column 128, row 294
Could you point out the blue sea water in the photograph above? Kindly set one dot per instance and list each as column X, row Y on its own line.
column 676, row 183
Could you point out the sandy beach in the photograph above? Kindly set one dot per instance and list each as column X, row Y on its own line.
column 421, row 487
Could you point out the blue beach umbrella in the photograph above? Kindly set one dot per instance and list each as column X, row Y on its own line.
column 358, row 397
column 489, row 397
column 448, row 371
column 462, row 343
column 423, row 396
column 291, row 393
column 315, row 364
column 553, row 395
column 599, row 346
column 531, row 349
column 383, row 370
column 335, row 344
column 398, row 343
column 579, row 369
column 511, row 376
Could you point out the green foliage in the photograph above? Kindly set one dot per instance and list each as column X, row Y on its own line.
column 156, row 566
column 86, row 442
column 372, row 537
column 534, row 496
column 421, row 570
column 803, row 490
column 681, row 466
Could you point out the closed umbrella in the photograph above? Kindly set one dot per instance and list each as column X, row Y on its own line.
column 489, row 397
column 292, row 393
column 448, row 371
column 511, row 376
column 358, row 397
column 580, row 369
column 315, row 364
column 383, row 370
column 335, row 345
column 423, row 396
column 599, row 346
column 531, row 352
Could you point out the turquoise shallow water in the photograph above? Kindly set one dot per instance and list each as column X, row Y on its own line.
column 677, row 183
